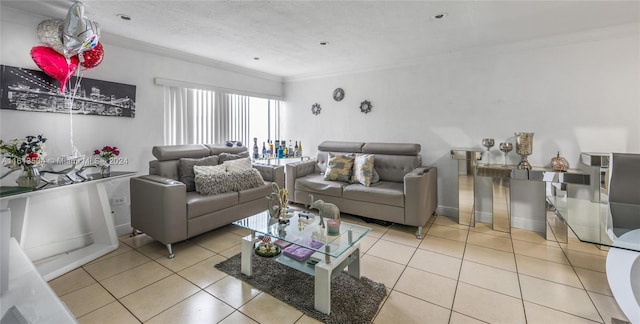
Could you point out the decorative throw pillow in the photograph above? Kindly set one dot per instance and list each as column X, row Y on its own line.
column 238, row 164
column 185, row 169
column 363, row 169
column 339, row 167
column 245, row 179
column 213, row 183
column 231, row 156
column 209, row 169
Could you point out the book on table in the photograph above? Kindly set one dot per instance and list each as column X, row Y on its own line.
column 302, row 253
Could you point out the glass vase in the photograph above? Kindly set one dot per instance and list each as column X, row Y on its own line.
column 105, row 171
column 30, row 177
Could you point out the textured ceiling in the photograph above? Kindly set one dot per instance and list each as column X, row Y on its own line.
column 286, row 35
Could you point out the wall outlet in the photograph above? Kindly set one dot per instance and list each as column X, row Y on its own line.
column 117, row 201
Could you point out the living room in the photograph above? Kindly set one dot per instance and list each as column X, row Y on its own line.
column 576, row 89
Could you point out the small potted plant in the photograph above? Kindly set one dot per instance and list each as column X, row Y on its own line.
column 26, row 154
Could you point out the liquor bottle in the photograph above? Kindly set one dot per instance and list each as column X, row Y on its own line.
column 300, row 148
column 285, row 152
column 255, row 148
column 264, row 150
column 291, row 151
column 271, row 152
column 296, row 152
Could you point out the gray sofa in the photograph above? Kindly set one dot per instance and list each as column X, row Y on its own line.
column 406, row 193
column 170, row 211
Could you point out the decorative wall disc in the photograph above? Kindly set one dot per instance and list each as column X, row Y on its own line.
column 338, row 94
column 315, row 109
column 365, row 106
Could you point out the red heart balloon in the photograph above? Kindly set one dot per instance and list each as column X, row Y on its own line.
column 92, row 57
column 54, row 64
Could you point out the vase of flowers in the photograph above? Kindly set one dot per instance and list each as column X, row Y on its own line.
column 26, row 154
column 104, row 159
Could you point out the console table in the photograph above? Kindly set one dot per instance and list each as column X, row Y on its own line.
column 469, row 169
column 63, row 227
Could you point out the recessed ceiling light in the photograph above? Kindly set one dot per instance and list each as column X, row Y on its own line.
column 441, row 15
column 256, row 58
column 323, row 43
column 124, row 17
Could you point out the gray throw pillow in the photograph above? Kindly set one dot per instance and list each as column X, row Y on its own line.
column 246, row 179
column 213, row 183
column 230, row 156
column 185, row 169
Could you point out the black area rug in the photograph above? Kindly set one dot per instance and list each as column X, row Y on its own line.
column 352, row 300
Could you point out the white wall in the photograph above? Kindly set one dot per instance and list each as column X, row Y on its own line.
column 577, row 93
column 134, row 136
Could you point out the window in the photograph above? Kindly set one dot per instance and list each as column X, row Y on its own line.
column 194, row 116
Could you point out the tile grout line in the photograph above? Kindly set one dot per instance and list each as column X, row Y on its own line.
column 581, row 283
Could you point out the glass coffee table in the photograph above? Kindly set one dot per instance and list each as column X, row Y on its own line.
column 322, row 256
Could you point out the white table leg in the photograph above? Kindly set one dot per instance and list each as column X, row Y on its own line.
column 246, row 267
column 353, row 268
column 322, row 292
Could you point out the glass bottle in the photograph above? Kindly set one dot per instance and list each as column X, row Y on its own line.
column 264, row 150
column 255, row 148
column 271, row 152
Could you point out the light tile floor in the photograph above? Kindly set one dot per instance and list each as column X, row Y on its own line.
column 455, row 274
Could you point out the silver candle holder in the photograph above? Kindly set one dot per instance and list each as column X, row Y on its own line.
column 524, row 148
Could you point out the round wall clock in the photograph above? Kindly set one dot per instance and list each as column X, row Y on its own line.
column 365, row 106
column 338, row 94
column 315, row 109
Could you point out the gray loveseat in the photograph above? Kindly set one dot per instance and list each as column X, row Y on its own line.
column 406, row 193
column 170, row 210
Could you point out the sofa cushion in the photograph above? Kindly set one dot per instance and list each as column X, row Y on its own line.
column 259, row 192
column 383, row 192
column 363, row 169
column 395, row 167
column 185, row 169
column 316, row 183
column 198, row 205
column 340, row 167
column 238, row 164
column 232, row 156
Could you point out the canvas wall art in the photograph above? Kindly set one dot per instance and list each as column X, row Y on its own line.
column 32, row 90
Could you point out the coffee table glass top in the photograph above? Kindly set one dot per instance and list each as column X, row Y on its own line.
column 609, row 224
column 304, row 230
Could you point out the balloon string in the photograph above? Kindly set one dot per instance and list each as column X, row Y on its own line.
column 69, row 99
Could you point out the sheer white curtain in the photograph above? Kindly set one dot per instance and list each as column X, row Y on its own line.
column 231, row 118
column 188, row 116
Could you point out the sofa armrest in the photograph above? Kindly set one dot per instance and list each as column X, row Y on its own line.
column 421, row 195
column 298, row 170
column 273, row 173
column 159, row 207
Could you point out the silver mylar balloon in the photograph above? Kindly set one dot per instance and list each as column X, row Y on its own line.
column 79, row 33
column 50, row 33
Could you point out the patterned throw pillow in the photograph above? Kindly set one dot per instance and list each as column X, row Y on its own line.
column 245, row 179
column 363, row 169
column 209, row 169
column 219, row 182
column 238, row 164
column 185, row 169
column 213, row 183
column 339, row 168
